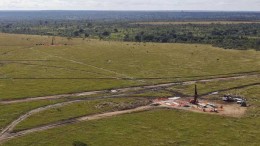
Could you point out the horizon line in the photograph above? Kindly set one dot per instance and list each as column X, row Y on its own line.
column 139, row 10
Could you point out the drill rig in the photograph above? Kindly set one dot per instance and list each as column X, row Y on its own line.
column 196, row 96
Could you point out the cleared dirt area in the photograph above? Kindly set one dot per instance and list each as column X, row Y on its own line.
column 220, row 108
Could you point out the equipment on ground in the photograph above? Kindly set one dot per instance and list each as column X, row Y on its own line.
column 237, row 99
column 228, row 98
column 244, row 104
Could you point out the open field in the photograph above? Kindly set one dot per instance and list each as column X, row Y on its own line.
column 28, row 70
column 159, row 127
column 73, row 110
column 77, row 110
column 137, row 72
column 11, row 112
column 217, row 86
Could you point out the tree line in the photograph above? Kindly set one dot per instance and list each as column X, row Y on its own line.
column 229, row 36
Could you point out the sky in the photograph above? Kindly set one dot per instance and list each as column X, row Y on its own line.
column 219, row 5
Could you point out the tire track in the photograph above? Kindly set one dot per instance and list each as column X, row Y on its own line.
column 52, row 97
column 58, row 67
column 82, row 63
column 233, row 88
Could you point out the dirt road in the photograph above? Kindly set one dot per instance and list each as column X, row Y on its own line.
column 11, row 126
column 121, row 90
column 52, row 97
column 7, row 135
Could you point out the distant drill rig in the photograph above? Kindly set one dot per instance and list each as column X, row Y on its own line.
column 196, row 96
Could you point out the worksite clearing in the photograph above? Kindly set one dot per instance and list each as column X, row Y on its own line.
column 203, row 106
column 224, row 107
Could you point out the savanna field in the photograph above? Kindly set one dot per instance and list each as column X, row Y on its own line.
column 31, row 67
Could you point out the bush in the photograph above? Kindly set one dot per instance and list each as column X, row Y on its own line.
column 106, row 33
column 78, row 143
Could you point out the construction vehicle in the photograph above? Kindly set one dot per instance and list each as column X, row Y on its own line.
column 243, row 103
column 228, row 98
column 237, row 99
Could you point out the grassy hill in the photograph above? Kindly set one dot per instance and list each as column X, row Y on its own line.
column 29, row 70
column 31, row 67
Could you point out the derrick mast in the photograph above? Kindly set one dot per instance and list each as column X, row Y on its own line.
column 196, row 96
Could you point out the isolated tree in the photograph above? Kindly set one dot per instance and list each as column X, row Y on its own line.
column 81, row 30
column 138, row 38
column 87, row 35
column 52, row 41
column 76, row 33
column 69, row 38
column 258, row 45
column 116, row 30
column 79, row 143
column 127, row 37
column 106, row 33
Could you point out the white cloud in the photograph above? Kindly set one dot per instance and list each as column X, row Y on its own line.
column 249, row 5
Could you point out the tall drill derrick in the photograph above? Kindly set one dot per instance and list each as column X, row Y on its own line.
column 196, row 95
column 195, row 99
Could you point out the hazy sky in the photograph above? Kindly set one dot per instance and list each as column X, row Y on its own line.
column 227, row 5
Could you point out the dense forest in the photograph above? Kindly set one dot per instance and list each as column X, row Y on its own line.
column 230, row 30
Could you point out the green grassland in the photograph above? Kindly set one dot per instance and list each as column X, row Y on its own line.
column 28, row 70
column 158, row 127
column 78, row 109
column 11, row 112
column 87, row 107
column 207, row 87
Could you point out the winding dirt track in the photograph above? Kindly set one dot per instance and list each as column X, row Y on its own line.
column 7, row 134
column 11, row 126
column 51, row 97
column 121, row 90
